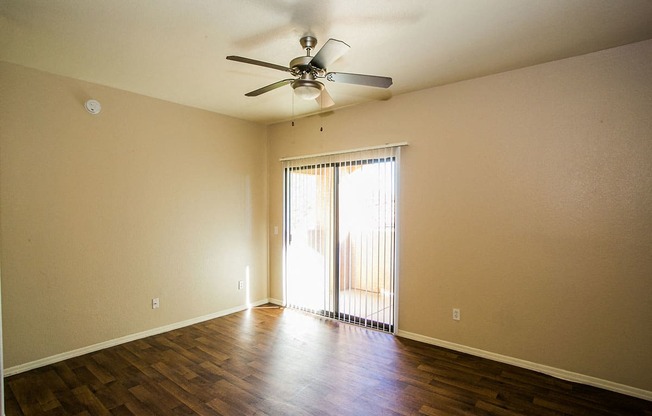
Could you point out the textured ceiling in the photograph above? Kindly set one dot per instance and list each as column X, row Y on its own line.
column 175, row 50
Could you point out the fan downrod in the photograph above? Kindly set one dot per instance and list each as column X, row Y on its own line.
column 308, row 43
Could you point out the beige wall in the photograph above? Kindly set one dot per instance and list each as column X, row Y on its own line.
column 526, row 202
column 100, row 214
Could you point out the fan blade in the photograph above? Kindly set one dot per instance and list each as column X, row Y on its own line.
column 368, row 80
column 325, row 100
column 332, row 50
column 255, row 62
column 268, row 88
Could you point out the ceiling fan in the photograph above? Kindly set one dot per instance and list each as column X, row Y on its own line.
column 306, row 71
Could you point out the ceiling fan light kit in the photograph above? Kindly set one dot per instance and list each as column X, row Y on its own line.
column 307, row 89
column 307, row 69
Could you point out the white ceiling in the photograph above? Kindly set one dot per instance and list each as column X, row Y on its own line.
column 175, row 49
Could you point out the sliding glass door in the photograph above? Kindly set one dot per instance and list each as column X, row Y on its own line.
column 309, row 238
column 340, row 237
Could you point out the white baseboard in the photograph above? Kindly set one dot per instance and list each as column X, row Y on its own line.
column 117, row 341
column 551, row 371
column 276, row 302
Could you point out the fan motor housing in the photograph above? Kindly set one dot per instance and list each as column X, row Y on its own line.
column 301, row 65
column 302, row 62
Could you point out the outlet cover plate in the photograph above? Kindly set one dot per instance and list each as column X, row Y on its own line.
column 456, row 314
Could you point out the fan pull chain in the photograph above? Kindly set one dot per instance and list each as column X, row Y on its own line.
column 292, row 108
column 321, row 109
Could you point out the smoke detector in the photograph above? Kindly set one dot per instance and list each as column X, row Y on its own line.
column 93, row 106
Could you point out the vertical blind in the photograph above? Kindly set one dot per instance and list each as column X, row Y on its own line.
column 340, row 235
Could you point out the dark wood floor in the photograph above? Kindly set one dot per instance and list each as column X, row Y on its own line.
column 271, row 361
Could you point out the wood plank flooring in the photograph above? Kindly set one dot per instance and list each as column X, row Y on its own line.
column 272, row 361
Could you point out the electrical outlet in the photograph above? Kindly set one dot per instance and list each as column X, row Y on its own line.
column 456, row 314
column 155, row 303
column 240, row 284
